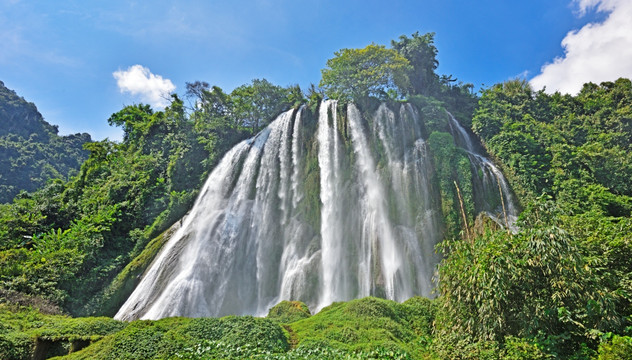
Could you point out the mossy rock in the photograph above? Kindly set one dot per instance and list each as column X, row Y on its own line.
column 26, row 333
column 110, row 300
column 16, row 346
column 287, row 312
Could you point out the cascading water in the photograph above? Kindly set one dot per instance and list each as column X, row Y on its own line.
column 488, row 180
column 342, row 212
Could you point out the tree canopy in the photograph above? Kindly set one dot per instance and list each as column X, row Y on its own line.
column 421, row 53
column 371, row 71
column 404, row 71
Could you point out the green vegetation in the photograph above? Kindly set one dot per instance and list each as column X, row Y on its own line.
column 81, row 244
column 559, row 287
column 372, row 71
column 368, row 328
column 31, row 152
column 562, row 282
column 289, row 311
column 576, row 147
column 29, row 334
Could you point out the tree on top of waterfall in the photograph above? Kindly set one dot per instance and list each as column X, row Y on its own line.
column 420, row 51
column 407, row 69
column 258, row 103
column 371, row 71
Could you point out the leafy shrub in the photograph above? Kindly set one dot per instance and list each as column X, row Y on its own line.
column 522, row 349
column 619, row 348
column 420, row 314
column 364, row 325
column 228, row 337
column 16, row 346
column 370, row 307
column 289, row 311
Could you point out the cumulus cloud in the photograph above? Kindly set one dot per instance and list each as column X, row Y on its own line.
column 149, row 88
column 597, row 52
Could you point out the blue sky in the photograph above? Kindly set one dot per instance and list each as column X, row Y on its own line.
column 81, row 61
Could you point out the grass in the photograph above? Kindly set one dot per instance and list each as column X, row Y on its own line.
column 366, row 328
column 26, row 333
column 369, row 328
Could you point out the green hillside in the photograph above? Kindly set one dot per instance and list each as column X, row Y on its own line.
column 31, row 151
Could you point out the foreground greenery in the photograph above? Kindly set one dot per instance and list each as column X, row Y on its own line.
column 368, row 328
column 563, row 280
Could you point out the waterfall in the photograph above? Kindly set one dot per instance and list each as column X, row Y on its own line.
column 461, row 135
column 335, row 274
column 318, row 207
column 488, row 179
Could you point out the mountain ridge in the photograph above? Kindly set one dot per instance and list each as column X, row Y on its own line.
column 31, row 151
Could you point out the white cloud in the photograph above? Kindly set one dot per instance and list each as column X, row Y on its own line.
column 601, row 5
column 522, row 75
column 597, row 52
column 150, row 88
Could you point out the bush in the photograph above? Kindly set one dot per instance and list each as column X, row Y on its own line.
column 186, row 338
column 522, row 349
column 365, row 325
column 531, row 284
column 289, row 311
column 619, row 348
column 16, row 346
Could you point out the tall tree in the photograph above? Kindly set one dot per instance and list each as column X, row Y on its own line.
column 420, row 51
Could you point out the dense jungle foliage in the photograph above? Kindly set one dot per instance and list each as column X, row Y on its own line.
column 31, row 151
column 560, row 287
column 563, row 281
